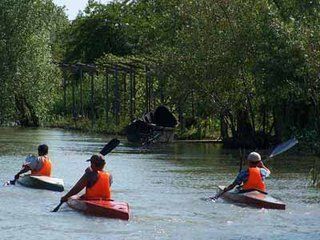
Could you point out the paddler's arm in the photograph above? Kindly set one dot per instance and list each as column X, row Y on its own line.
column 230, row 187
column 238, row 181
column 32, row 163
column 261, row 165
column 25, row 168
column 81, row 184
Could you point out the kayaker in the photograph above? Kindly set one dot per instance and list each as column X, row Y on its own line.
column 251, row 178
column 40, row 166
column 96, row 181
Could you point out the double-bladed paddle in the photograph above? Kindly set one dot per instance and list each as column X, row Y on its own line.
column 283, row 147
column 276, row 151
column 57, row 207
column 104, row 151
column 110, row 146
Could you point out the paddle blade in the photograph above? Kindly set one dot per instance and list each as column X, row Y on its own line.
column 110, row 146
column 10, row 182
column 208, row 199
column 57, row 207
column 283, row 147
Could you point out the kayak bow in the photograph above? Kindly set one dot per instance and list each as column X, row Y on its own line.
column 99, row 207
column 42, row 182
column 253, row 198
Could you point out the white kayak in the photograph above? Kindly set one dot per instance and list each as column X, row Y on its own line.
column 42, row 182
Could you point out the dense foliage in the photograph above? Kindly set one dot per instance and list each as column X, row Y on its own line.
column 251, row 66
column 244, row 70
column 29, row 41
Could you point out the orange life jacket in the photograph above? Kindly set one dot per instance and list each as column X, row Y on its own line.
column 45, row 169
column 254, row 180
column 101, row 189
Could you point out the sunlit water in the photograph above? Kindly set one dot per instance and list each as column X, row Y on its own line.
column 163, row 186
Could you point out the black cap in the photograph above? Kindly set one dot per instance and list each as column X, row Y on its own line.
column 97, row 159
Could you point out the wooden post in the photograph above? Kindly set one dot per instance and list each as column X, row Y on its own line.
column 81, row 92
column 107, row 96
column 73, row 98
column 131, row 94
column 147, row 90
column 116, row 94
column 134, row 93
column 92, row 100
column 161, row 85
column 152, row 93
column 64, row 82
column 192, row 105
column 150, row 89
column 124, row 76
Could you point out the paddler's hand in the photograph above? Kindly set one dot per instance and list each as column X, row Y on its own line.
column 260, row 164
column 11, row 182
column 217, row 195
column 222, row 192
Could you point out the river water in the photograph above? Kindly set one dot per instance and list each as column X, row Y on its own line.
column 163, row 186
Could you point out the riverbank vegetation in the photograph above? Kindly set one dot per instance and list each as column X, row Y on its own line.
column 244, row 71
column 29, row 43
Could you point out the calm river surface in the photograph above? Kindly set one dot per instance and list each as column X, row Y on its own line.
column 163, row 186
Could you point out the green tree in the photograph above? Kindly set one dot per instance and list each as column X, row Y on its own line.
column 28, row 75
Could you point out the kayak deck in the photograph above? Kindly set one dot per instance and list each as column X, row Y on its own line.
column 103, row 208
column 253, row 198
column 42, row 182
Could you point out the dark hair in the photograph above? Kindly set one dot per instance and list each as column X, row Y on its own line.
column 43, row 149
column 253, row 163
column 100, row 164
column 97, row 160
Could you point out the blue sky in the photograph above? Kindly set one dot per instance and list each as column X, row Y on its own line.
column 74, row 6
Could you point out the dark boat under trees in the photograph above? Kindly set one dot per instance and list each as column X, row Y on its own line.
column 157, row 125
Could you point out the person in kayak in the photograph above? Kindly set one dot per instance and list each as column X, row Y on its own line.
column 39, row 166
column 251, row 178
column 96, row 181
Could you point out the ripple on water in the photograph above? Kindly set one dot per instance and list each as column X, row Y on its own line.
column 163, row 185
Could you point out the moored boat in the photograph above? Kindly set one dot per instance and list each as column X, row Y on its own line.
column 155, row 126
column 42, row 182
column 253, row 198
column 100, row 207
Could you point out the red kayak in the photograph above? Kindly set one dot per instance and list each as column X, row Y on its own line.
column 103, row 208
column 253, row 198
